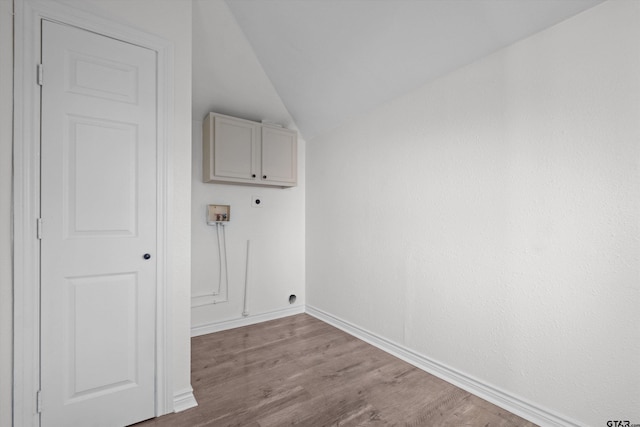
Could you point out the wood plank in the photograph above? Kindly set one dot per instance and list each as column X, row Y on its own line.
column 302, row 371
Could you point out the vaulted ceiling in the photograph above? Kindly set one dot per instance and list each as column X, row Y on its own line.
column 332, row 60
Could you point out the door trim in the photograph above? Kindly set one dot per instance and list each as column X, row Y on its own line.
column 26, row 196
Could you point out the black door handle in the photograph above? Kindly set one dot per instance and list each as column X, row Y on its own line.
column 146, row 256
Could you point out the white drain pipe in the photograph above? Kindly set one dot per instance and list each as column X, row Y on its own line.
column 245, row 313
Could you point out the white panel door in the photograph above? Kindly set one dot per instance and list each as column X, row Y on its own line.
column 98, row 209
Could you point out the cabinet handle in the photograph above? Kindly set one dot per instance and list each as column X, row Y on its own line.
column 264, row 176
column 253, row 176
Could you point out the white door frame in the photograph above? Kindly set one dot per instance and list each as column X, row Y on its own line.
column 26, row 196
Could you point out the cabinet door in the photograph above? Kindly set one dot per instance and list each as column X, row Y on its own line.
column 279, row 156
column 235, row 148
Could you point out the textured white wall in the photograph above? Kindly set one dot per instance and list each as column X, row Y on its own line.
column 227, row 76
column 6, row 294
column 228, row 79
column 490, row 220
column 276, row 232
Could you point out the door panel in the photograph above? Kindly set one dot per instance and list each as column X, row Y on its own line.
column 98, row 209
column 102, row 78
column 110, row 145
column 91, row 299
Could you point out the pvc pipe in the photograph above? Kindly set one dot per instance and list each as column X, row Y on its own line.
column 245, row 313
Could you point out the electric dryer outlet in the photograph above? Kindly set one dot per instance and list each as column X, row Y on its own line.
column 257, row 201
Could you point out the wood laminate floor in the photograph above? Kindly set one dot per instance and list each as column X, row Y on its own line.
column 301, row 371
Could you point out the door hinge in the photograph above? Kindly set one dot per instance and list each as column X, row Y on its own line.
column 39, row 228
column 40, row 74
column 39, row 401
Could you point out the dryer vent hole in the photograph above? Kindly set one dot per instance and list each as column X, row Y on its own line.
column 292, row 299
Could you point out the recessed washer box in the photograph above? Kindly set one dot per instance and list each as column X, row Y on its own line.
column 218, row 213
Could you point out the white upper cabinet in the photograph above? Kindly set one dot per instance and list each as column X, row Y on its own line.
column 230, row 149
column 245, row 152
column 279, row 156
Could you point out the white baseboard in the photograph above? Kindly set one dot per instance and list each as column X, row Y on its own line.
column 183, row 400
column 501, row 398
column 245, row 321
